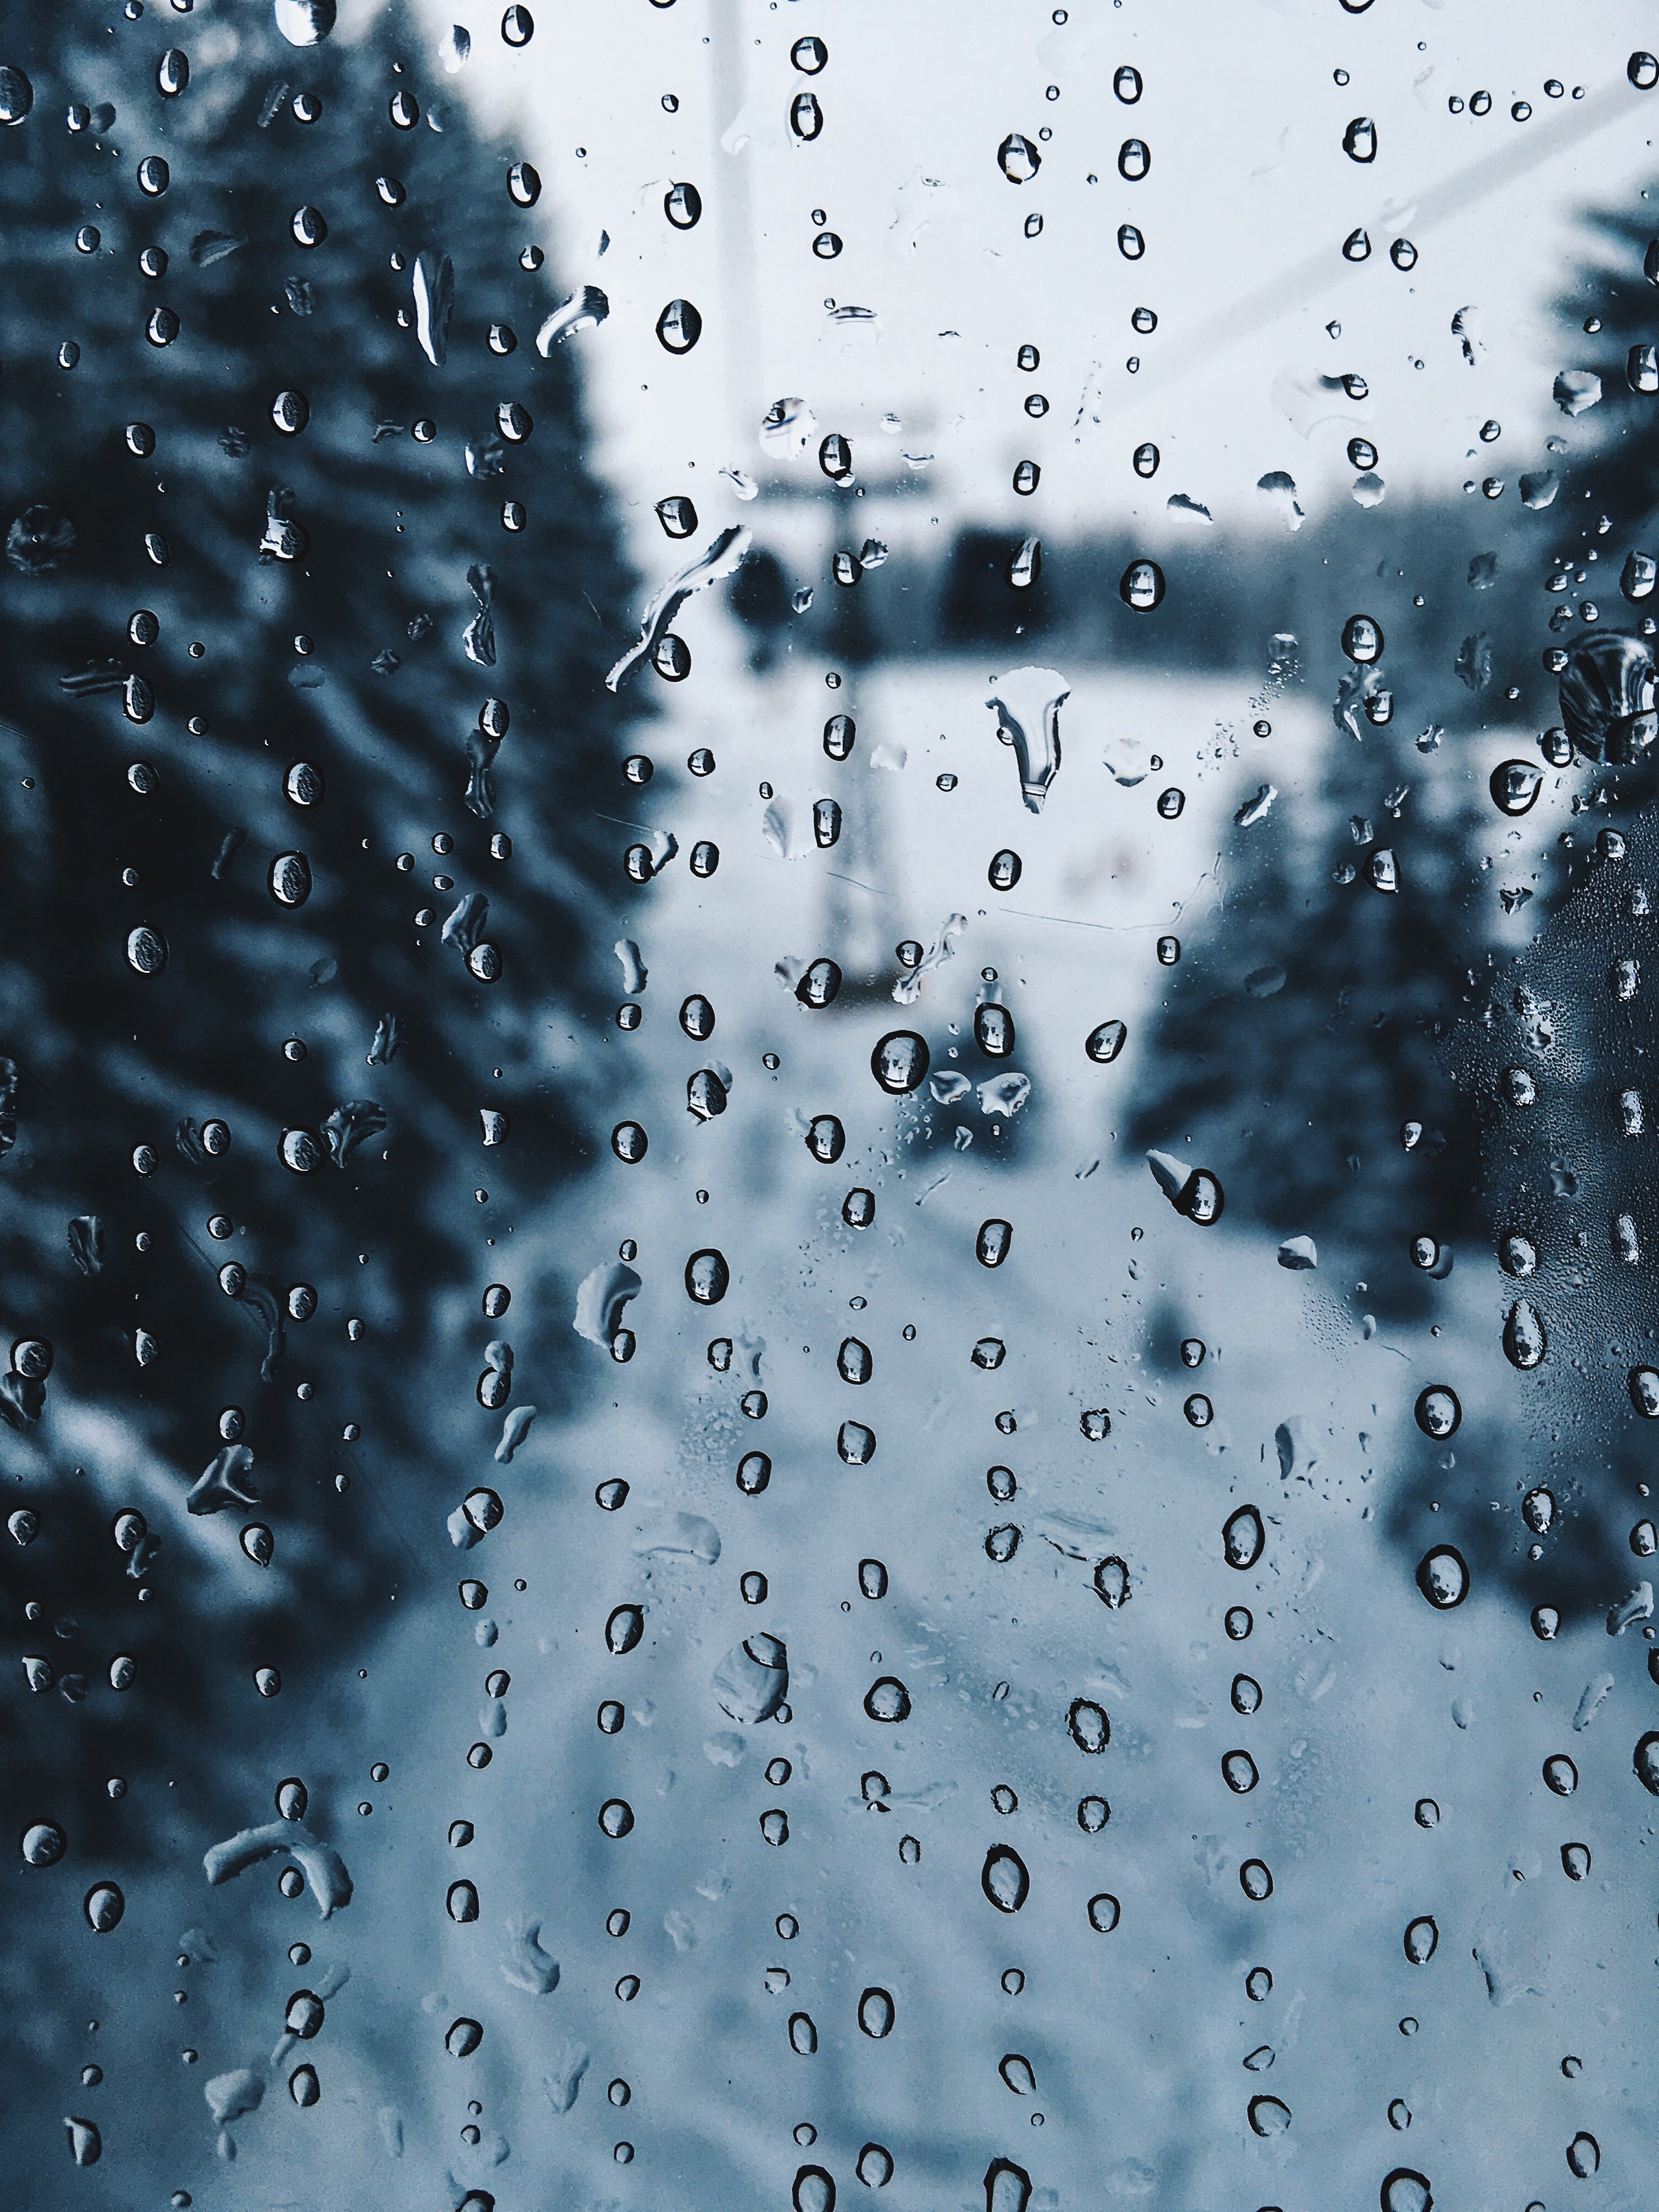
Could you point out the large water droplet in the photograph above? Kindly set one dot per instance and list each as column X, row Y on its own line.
column 899, row 1063
column 624, row 1628
column 1019, row 159
column 1007, row 2186
column 1524, row 1340
column 1089, row 1728
column 1443, row 1575
column 1242, row 1537
column 992, row 1244
column 875, row 2165
column 679, row 326
column 1538, row 1510
column 1515, row 786
column 86, row 2145
column 706, row 1277
column 1112, row 1583
column 290, row 879
column 812, row 2190
column 705, row 1095
column 1438, row 1411
column 993, row 1030
column 17, row 95
column 1142, row 586
column 1004, row 1878
column 103, row 1906
column 752, row 1680
column 887, row 1700
column 304, row 23
column 43, row 1844
column 854, row 1361
column 1583, row 2155
column 826, row 1139
column 820, row 985
column 147, row 951
column 1421, row 1938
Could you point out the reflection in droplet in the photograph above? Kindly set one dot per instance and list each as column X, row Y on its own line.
column 1437, row 1412
column 899, row 1062
column 1089, row 1728
column 1004, row 1878
column 875, row 2165
column 1141, row 585
column 1443, row 1575
column 1243, row 1537
column 1583, row 2155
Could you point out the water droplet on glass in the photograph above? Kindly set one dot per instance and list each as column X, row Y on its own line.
column 1004, row 1878
column 1443, row 1575
column 1141, row 585
column 1243, row 1537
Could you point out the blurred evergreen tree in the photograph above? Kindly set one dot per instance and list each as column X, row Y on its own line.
column 275, row 538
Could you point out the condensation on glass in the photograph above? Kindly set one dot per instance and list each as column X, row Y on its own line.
column 824, row 1100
